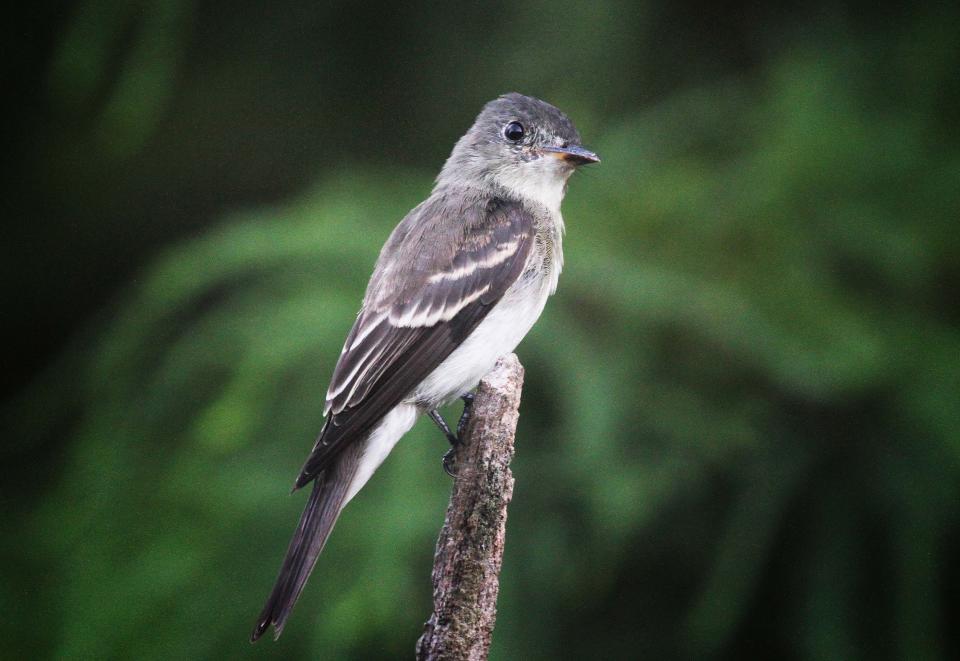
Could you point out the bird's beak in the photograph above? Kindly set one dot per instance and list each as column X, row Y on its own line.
column 574, row 154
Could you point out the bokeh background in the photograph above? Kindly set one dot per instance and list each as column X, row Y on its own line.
column 740, row 433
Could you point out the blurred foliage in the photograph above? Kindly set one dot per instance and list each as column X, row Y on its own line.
column 740, row 434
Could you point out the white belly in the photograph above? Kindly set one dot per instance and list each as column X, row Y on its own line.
column 497, row 335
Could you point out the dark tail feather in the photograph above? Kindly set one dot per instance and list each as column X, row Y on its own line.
column 312, row 532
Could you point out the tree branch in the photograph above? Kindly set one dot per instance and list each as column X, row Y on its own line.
column 466, row 567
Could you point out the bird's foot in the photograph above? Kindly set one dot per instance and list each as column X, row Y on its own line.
column 465, row 416
column 455, row 439
column 447, row 460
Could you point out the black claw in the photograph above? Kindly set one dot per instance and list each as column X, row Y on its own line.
column 448, row 457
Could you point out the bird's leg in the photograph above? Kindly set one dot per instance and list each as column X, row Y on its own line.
column 455, row 439
column 465, row 416
column 442, row 424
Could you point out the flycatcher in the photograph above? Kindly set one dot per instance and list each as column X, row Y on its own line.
column 458, row 284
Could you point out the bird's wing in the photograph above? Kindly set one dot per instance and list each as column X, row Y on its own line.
column 456, row 263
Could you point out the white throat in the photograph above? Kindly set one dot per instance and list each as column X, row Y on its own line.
column 539, row 181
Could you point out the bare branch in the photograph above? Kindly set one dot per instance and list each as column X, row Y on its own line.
column 466, row 569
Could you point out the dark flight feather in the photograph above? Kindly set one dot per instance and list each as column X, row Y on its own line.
column 316, row 524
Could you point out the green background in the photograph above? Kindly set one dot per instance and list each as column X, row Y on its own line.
column 740, row 431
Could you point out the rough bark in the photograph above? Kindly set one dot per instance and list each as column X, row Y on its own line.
column 466, row 569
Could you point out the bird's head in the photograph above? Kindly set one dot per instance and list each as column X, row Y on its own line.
column 521, row 144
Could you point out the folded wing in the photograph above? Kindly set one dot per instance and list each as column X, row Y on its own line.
column 439, row 275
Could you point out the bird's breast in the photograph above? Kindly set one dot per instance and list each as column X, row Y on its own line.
column 499, row 333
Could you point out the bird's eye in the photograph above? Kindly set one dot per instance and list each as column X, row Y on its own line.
column 513, row 131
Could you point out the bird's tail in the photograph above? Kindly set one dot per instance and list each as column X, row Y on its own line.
column 316, row 523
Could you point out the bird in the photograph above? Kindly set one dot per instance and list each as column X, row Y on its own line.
column 457, row 285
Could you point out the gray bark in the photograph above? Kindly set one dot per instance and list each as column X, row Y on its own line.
column 466, row 569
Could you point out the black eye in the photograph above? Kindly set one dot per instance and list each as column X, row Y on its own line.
column 513, row 131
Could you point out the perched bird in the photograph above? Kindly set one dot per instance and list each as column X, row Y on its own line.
column 458, row 284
